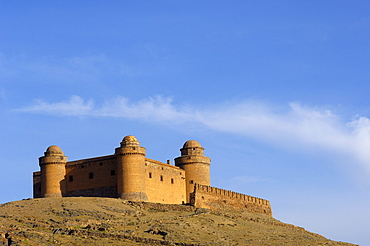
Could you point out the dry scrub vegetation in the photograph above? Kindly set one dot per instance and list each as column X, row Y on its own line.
column 108, row 221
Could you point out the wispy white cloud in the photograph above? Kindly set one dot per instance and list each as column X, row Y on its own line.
column 75, row 106
column 296, row 126
column 157, row 109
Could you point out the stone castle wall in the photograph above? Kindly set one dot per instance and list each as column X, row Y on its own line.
column 97, row 177
column 164, row 183
column 37, row 185
column 219, row 199
column 129, row 175
column 91, row 176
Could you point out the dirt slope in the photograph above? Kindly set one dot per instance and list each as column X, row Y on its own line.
column 107, row 221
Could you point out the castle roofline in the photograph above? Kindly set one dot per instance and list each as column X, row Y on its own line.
column 161, row 163
column 102, row 158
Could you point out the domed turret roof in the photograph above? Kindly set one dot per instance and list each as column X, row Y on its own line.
column 191, row 144
column 53, row 150
column 129, row 138
column 129, row 141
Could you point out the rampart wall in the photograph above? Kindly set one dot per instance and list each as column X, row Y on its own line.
column 37, row 185
column 129, row 175
column 92, row 177
column 218, row 199
column 97, row 177
column 164, row 183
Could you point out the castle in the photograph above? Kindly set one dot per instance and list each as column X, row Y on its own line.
column 129, row 175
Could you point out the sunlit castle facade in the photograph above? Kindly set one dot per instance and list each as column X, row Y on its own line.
column 129, row 175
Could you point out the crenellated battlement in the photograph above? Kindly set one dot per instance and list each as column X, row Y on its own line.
column 230, row 194
column 130, row 175
column 215, row 198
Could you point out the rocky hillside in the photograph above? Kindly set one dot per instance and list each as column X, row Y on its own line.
column 107, row 221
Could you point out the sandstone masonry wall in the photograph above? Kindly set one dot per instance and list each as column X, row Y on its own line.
column 164, row 183
column 37, row 185
column 97, row 177
column 219, row 199
column 92, row 177
column 129, row 175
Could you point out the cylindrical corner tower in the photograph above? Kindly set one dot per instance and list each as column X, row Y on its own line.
column 195, row 164
column 53, row 171
column 131, row 170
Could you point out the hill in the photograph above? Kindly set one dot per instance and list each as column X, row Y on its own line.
column 108, row 221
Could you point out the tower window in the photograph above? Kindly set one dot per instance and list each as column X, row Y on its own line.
column 70, row 178
column 191, row 181
column 172, row 181
column 91, row 175
column 150, row 175
column 161, row 177
column 112, row 172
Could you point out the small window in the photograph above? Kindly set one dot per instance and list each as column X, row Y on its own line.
column 191, row 181
column 70, row 178
column 172, row 181
column 150, row 175
column 82, row 166
column 161, row 177
column 91, row 175
column 101, row 164
column 112, row 172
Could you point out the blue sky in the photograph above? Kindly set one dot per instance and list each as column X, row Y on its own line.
column 275, row 91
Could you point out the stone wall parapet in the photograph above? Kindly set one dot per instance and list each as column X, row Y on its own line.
column 189, row 159
column 94, row 159
column 130, row 151
column 215, row 198
column 230, row 194
column 160, row 163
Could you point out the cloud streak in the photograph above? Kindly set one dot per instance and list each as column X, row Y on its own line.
column 295, row 126
column 76, row 106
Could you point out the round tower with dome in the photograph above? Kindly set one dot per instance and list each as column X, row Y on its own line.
column 129, row 175
column 130, row 158
column 53, row 172
column 195, row 164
